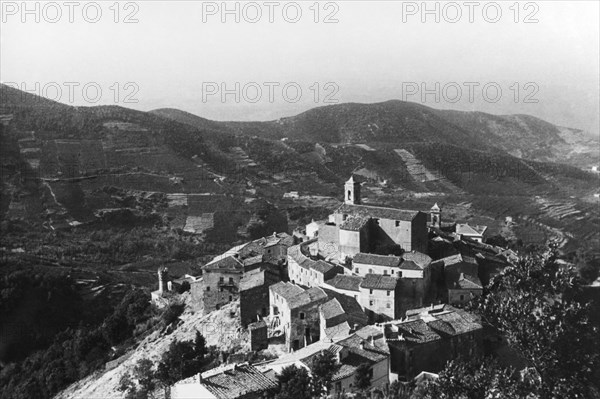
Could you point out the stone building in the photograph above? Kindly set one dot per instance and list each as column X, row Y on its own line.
column 474, row 232
column 355, row 228
column 350, row 352
column 221, row 281
column 429, row 337
column 344, row 284
column 380, row 295
column 296, row 310
column 340, row 316
column 254, row 294
column 305, row 271
column 258, row 335
column 463, row 289
column 236, row 381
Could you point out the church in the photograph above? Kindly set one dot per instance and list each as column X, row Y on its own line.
column 357, row 228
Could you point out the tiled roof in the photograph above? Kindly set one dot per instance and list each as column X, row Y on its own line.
column 338, row 331
column 377, row 212
column 377, row 260
column 255, row 278
column 345, row 282
column 460, row 321
column 379, row 282
column 237, row 382
column 331, row 309
column 368, row 351
column 286, row 290
column 470, row 230
column 229, row 262
column 307, row 352
column 322, row 266
column 311, row 295
column 467, row 282
column 417, row 258
column 416, row 331
column 354, row 222
column 455, row 259
column 253, row 260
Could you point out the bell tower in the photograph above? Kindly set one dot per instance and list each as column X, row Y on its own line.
column 352, row 192
column 436, row 216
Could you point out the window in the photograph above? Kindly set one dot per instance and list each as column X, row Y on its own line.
column 208, row 288
column 230, row 298
column 397, row 223
column 371, row 302
column 356, row 270
column 301, row 315
column 371, row 271
column 370, row 292
column 387, row 293
column 400, row 274
column 462, row 297
column 221, row 279
column 230, row 280
column 338, row 386
column 268, row 251
column 388, row 305
column 221, row 289
column 385, row 272
column 344, row 217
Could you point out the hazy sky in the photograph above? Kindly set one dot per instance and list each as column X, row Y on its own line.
column 181, row 54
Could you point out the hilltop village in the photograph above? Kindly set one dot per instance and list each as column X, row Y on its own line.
column 372, row 285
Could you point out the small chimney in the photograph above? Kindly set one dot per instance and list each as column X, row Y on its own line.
column 401, row 337
column 362, row 345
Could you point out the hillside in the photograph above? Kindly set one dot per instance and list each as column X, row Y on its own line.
column 399, row 122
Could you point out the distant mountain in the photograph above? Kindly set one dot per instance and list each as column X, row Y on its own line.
column 400, row 122
column 107, row 157
column 525, row 136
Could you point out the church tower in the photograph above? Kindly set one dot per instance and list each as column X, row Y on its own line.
column 352, row 192
column 436, row 216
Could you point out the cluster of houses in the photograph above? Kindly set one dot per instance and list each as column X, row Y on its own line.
column 372, row 285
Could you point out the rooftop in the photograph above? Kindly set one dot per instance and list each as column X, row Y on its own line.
column 377, row 212
column 322, row 266
column 418, row 259
column 311, row 295
column 470, row 230
column 345, row 282
column 238, row 381
column 379, row 282
column 467, row 282
column 377, row 260
column 286, row 290
column 228, row 263
column 354, row 222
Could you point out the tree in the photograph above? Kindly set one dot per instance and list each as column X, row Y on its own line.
column 200, row 346
column 183, row 359
column 323, row 368
column 533, row 304
column 141, row 383
column 362, row 378
column 294, row 383
column 475, row 379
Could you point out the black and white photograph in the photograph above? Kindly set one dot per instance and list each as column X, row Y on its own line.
column 310, row 199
